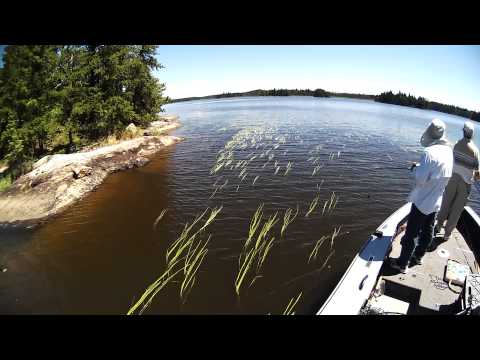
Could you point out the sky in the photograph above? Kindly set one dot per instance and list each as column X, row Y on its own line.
column 447, row 74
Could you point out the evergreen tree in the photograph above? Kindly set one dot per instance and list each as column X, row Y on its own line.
column 27, row 110
column 78, row 91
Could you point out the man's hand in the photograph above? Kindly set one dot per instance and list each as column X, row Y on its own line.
column 414, row 165
column 476, row 175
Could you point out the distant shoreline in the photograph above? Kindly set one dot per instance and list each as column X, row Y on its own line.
column 276, row 92
column 386, row 98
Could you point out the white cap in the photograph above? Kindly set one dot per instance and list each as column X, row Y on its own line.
column 468, row 129
column 435, row 131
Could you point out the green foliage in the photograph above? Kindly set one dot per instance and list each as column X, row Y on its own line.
column 50, row 92
column 260, row 92
column 422, row 103
column 5, row 182
column 26, row 104
column 320, row 93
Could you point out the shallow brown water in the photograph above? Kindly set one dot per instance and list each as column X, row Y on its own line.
column 100, row 255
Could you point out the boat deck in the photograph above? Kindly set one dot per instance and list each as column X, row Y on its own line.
column 423, row 287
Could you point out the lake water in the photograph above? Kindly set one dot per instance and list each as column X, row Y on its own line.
column 100, row 255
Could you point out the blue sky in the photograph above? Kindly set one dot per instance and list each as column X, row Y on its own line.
column 448, row 74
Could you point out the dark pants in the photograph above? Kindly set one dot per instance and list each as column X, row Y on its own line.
column 420, row 225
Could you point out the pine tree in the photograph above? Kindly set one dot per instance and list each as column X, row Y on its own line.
column 49, row 92
column 27, row 110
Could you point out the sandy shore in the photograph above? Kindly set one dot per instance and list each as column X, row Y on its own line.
column 58, row 181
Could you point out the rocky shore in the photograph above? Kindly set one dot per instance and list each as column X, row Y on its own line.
column 57, row 181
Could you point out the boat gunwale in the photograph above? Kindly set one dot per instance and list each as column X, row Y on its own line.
column 371, row 238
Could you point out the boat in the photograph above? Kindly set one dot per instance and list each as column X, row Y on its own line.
column 370, row 286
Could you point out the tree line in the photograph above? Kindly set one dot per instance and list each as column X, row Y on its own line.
column 53, row 97
column 260, row 92
column 422, row 103
column 386, row 97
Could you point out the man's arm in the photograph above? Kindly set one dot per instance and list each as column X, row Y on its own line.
column 422, row 170
column 476, row 173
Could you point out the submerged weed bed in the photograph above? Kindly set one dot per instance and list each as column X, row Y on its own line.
column 252, row 153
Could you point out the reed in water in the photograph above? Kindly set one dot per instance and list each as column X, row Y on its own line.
column 334, row 235
column 289, row 310
column 288, row 219
column 159, row 218
column 254, row 254
column 185, row 255
column 289, row 167
column 313, row 205
column 318, row 243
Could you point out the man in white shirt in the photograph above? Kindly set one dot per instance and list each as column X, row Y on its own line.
column 465, row 172
column 431, row 177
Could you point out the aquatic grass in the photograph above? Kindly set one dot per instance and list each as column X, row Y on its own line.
column 216, row 169
column 224, row 184
column 289, row 310
column 335, row 204
column 289, row 166
column 151, row 291
column 243, row 171
column 334, row 235
column 159, row 218
column 212, row 217
column 317, row 246
column 319, row 186
column 182, row 250
column 331, row 204
column 184, row 240
column 324, row 206
column 326, row 260
column 193, row 260
column 254, row 224
column 316, row 169
column 214, row 192
column 277, row 169
column 288, row 219
column 255, row 252
column 254, row 180
column 312, row 206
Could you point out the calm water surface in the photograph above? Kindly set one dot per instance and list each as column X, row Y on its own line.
column 100, row 255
